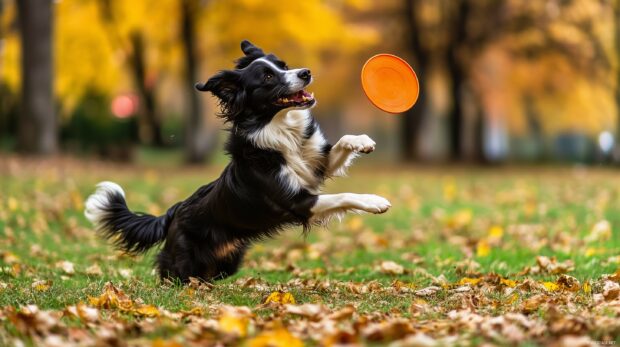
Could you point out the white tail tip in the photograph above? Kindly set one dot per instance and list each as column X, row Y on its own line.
column 97, row 202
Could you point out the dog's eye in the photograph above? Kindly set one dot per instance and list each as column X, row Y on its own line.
column 268, row 76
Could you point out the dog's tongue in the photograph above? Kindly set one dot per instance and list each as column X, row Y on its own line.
column 300, row 96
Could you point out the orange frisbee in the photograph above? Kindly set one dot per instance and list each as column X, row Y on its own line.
column 390, row 83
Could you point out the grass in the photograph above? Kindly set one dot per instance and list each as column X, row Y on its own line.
column 438, row 226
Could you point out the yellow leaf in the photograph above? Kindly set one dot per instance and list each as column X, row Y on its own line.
column 508, row 283
column 12, row 204
column 496, row 232
column 355, row 223
column 591, row 251
column 112, row 297
column 41, row 286
column 512, row 299
column 551, row 286
column 196, row 311
column 449, row 191
column 234, row 324
column 147, row 311
column 275, row 338
column 77, row 200
column 463, row 218
column 165, row 343
column 483, row 249
column 280, row 297
column 587, row 288
column 470, row 281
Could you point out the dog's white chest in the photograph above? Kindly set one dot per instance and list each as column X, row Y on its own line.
column 285, row 133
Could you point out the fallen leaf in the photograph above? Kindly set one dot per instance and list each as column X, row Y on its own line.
column 601, row 231
column 469, row 281
column 611, row 290
column 427, row 291
column 112, row 297
column 508, row 282
column 81, row 311
column 311, row 311
column 275, row 338
column 391, row 268
column 569, row 283
column 551, row 286
column 483, row 248
column 41, row 285
column 125, row 273
column 147, row 311
column 66, row 266
column 280, row 297
column 94, row 270
column 233, row 324
column 533, row 304
column 551, row 265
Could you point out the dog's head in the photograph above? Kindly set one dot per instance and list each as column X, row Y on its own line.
column 260, row 85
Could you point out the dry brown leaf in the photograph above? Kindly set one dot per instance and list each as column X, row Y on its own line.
column 552, row 266
column 427, row 291
column 342, row 314
column 391, row 268
column 533, row 304
column 611, row 290
column 568, row 283
column 94, row 270
column 66, row 266
column 311, row 311
column 83, row 312
column 41, row 285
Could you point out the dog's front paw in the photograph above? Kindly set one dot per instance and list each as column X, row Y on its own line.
column 360, row 143
column 373, row 203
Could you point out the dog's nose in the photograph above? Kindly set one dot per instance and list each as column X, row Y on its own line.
column 305, row 75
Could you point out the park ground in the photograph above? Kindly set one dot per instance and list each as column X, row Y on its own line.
column 465, row 256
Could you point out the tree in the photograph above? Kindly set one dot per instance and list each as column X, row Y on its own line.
column 130, row 32
column 197, row 147
column 460, row 32
column 38, row 126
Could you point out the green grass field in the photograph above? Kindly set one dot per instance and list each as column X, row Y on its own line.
column 465, row 256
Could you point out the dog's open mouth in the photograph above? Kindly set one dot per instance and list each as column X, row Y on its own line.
column 301, row 98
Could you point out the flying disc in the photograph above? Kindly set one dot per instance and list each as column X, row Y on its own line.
column 390, row 83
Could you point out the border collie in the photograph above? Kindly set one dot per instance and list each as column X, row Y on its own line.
column 279, row 161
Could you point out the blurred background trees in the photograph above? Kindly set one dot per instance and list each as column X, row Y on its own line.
column 500, row 79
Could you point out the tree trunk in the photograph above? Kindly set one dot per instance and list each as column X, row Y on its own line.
column 151, row 124
column 412, row 120
column 458, row 75
column 196, row 146
column 38, row 126
column 412, row 123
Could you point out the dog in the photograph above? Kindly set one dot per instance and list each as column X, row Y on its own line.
column 279, row 160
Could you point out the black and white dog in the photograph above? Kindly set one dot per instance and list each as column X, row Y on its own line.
column 279, row 161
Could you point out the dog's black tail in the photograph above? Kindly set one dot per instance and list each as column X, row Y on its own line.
column 132, row 232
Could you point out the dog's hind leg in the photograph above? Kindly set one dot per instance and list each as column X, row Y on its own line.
column 345, row 150
column 328, row 205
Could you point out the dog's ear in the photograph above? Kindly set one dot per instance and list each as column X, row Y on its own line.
column 249, row 49
column 226, row 86
column 251, row 53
